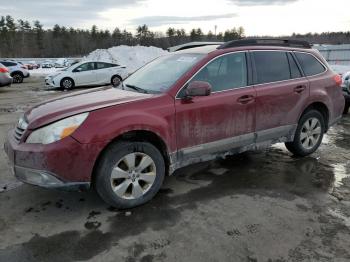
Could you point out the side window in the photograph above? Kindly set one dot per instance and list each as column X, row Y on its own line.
column 101, row 65
column 8, row 63
column 311, row 66
column 226, row 72
column 84, row 67
column 294, row 70
column 271, row 66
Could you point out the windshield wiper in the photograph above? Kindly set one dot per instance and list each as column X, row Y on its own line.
column 138, row 89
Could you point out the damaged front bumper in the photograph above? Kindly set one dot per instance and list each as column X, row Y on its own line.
column 60, row 165
column 45, row 179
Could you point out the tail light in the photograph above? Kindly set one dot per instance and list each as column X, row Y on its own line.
column 3, row 70
column 338, row 80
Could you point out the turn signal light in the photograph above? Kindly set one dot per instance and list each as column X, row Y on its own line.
column 68, row 131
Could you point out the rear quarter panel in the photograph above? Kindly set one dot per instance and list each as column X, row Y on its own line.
column 324, row 89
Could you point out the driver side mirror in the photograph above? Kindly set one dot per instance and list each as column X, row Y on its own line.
column 198, row 88
column 79, row 69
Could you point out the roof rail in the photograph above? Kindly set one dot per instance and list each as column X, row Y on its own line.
column 192, row 45
column 266, row 42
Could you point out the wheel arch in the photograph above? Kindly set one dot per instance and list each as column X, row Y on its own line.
column 17, row 72
column 136, row 136
column 67, row 77
column 117, row 75
column 322, row 108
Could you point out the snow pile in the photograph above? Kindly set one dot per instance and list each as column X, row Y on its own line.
column 133, row 57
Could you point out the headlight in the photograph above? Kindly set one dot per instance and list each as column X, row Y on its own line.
column 57, row 130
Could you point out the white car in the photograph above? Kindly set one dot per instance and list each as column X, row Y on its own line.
column 87, row 73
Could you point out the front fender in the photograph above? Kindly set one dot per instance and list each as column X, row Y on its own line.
column 154, row 115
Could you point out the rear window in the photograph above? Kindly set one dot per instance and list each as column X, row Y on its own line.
column 271, row 66
column 311, row 66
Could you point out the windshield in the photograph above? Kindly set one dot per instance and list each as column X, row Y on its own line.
column 160, row 74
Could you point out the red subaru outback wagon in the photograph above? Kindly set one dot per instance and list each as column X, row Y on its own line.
column 184, row 107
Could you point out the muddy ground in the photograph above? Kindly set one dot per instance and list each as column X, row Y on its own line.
column 256, row 206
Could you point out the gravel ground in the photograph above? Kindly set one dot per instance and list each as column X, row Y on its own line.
column 256, row 206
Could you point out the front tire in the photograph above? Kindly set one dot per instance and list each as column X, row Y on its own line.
column 129, row 174
column 309, row 134
column 67, row 83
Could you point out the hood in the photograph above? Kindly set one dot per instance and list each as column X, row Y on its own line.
column 78, row 102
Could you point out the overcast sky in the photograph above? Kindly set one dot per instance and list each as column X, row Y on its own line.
column 258, row 17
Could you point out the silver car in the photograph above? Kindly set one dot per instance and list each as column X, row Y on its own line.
column 17, row 70
column 5, row 78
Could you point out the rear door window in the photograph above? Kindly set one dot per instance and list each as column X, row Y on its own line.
column 271, row 66
column 311, row 66
column 101, row 65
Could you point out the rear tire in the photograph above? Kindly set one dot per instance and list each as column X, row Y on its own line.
column 129, row 174
column 116, row 80
column 67, row 83
column 308, row 135
column 17, row 78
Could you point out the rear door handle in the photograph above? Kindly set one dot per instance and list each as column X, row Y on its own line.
column 245, row 99
column 299, row 89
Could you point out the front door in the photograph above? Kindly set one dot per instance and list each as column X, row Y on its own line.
column 223, row 120
column 85, row 74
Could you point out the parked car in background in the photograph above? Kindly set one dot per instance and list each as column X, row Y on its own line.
column 344, row 72
column 17, row 70
column 87, row 73
column 47, row 64
column 61, row 63
column 32, row 65
column 182, row 108
column 5, row 78
column 346, row 91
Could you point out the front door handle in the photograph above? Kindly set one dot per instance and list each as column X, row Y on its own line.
column 299, row 89
column 245, row 99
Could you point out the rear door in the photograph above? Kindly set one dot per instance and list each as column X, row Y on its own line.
column 85, row 74
column 103, row 72
column 223, row 120
column 282, row 92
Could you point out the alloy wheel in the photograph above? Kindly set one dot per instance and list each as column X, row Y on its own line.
column 67, row 84
column 310, row 133
column 17, row 79
column 133, row 175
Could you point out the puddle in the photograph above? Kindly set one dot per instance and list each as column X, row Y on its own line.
column 341, row 171
column 338, row 214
